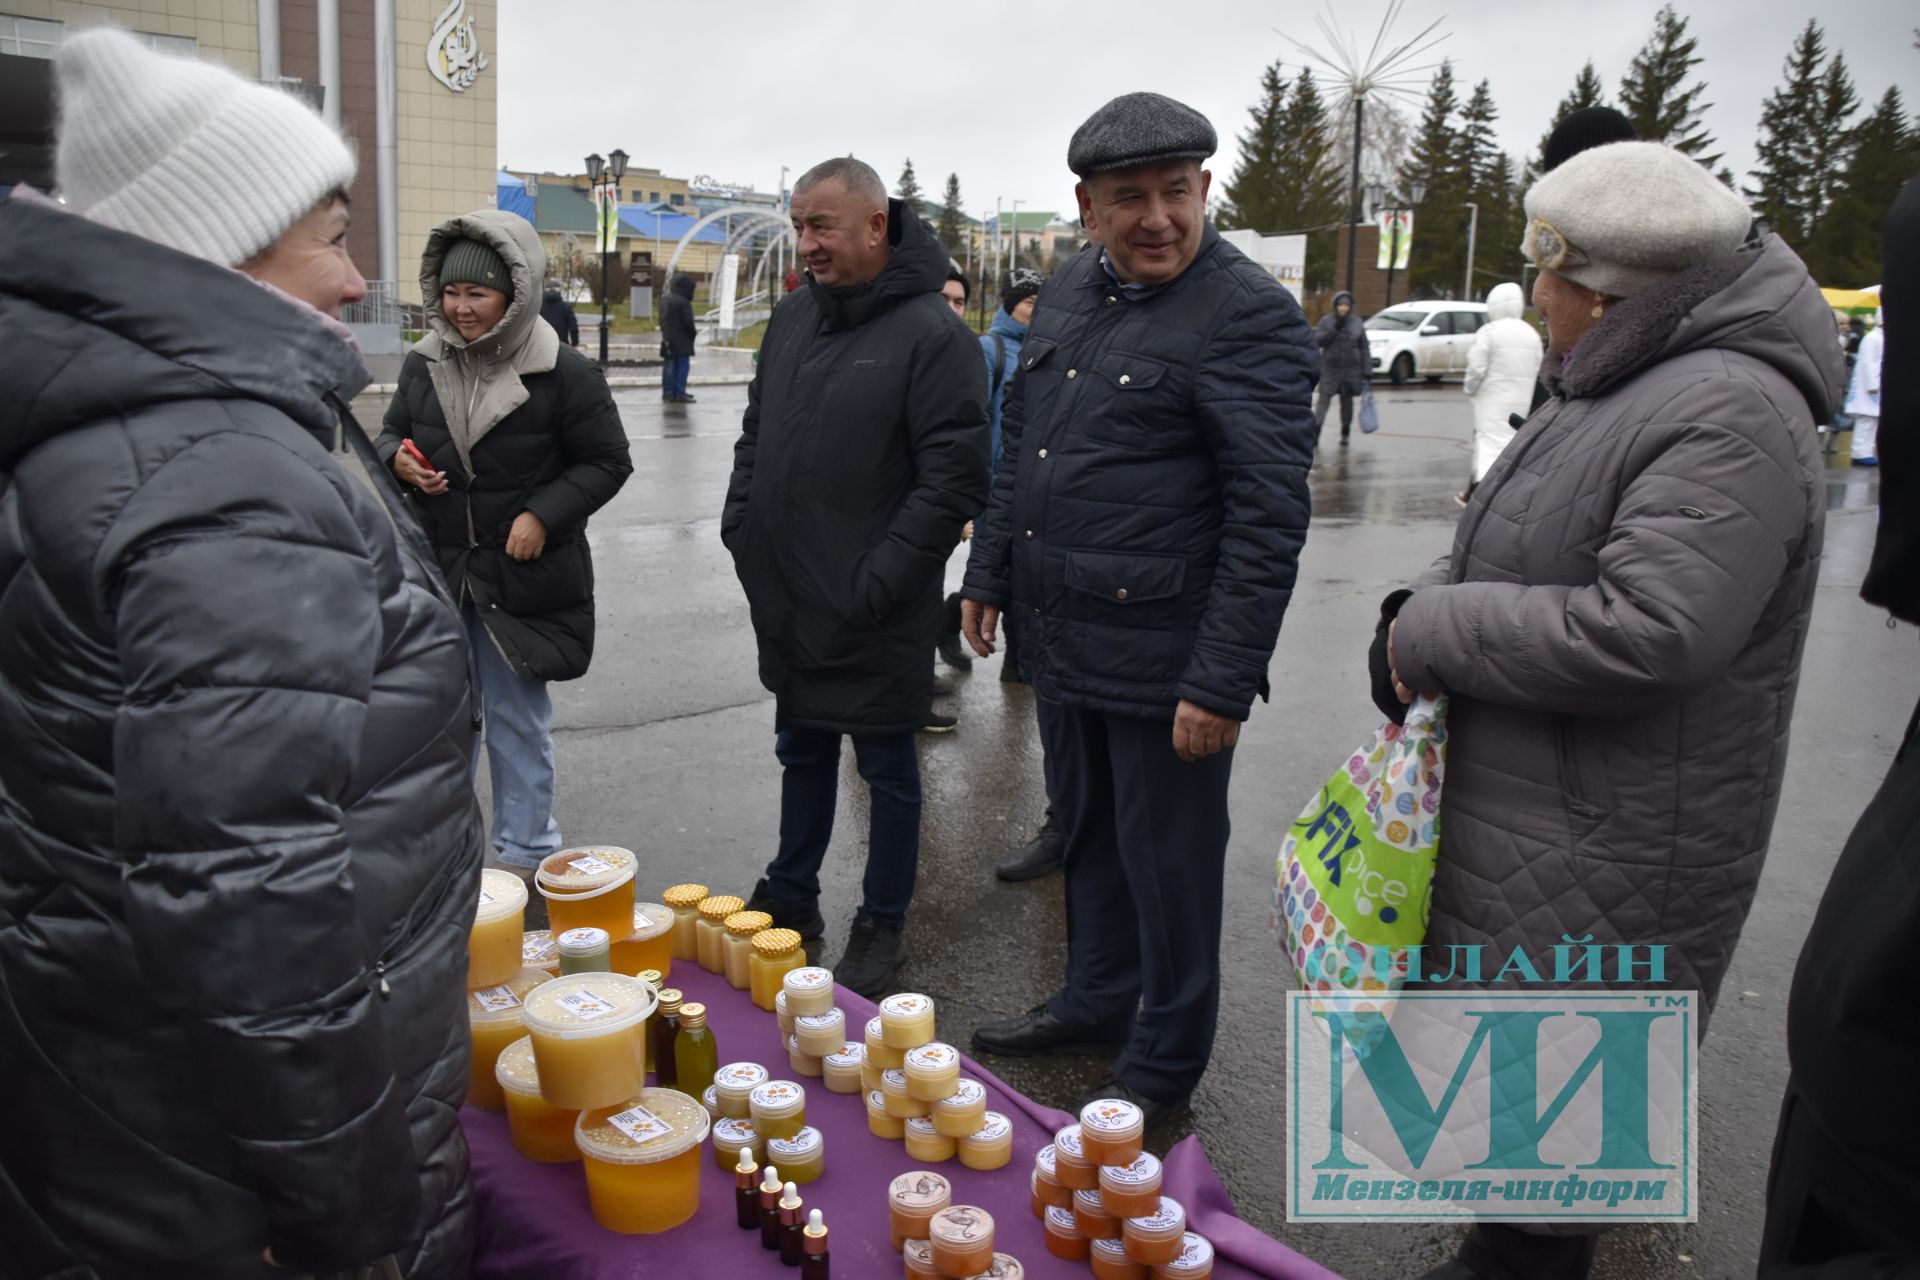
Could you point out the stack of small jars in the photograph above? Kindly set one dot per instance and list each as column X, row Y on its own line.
column 766, row 1119
column 814, row 1029
column 1098, row 1195
column 938, row 1238
column 916, row 1094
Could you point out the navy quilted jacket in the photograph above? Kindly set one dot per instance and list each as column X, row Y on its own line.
column 1151, row 502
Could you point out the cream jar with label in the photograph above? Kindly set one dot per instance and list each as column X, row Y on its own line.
column 493, row 954
column 933, row 1071
column 912, row 1200
column 962, row 1240
column 925, row 1143
column 800, row 1157
column 782, row 1014
column 991, row 1146
column 779, row 1109
column 589, row 1038
column 1052, row 1191
column 1092, row 1219
column 1063, row 1237
column 1157, row 1238
column 1111, row 1130
column 918, row 1255
column 880, row 1122
column 1075, row 1171
column 900, row 1102
column 1131, row 1190
column 882, row 1056
column 585, row 951
column 802, row 1062
column 841, row 1069
column 906, row 1020
column 809, row 990
column 1195, row 1261
column 730, row 1137
column 963, row 1111
column 821, row 1033
column 711, row 1101
column 1109, row 1261
column 734, row 1084
column 684, row 900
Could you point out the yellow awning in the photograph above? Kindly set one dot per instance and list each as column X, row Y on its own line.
column 1851, row 299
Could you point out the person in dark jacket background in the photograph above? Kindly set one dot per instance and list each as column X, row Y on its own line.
column 862, row 453
column 1145, row 527
column 677, row 332
column 239, row 848
column 559, row 313
column 1346, row 364
column 525, row 444
column 1841, row 1193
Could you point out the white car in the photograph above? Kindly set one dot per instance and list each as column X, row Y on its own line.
column 1423, row 339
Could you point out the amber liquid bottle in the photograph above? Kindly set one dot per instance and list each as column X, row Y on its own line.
column 695, row 1055
column 813, row 1248
column 664, row 1029
column 792, row 1224
column 746, row 1192
column 770, row 1209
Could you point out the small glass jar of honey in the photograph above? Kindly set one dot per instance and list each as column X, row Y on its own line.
column 962, row 1240
column 1063, row 1237
column 1131, row 1190
column 912, row 1200
column 775, row 954
column 1111, row 1130
column 899, row 1101
column 841, row 1070
column 1092, row 1219
column 493, row 944
column 1071, row 1165
column 684, row 900
column 1156, row 1238
column 989, row 1147
column 809, row 990
column 963, row 1111
column 734, row 1084
column 1109, row 1261
column 738, row 944
column 882, row 1056
column 801, row 1157
column 642, row 1159
column 779, row 1109
column 925, row 1143
column 880, row 1122
column 906, row 1020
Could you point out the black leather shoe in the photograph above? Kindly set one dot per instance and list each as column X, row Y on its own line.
column 873, row 955
column 953, row 653
column 1043, row 855
column 805, row 921
column 1037, row 1033
column 1155, row 1110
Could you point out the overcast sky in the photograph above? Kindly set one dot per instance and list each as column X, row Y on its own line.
column 993, row 89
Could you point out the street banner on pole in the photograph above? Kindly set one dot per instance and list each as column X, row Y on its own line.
column 607, row 238
column 1389, row 218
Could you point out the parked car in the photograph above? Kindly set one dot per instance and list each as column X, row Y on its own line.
column 1423, row 339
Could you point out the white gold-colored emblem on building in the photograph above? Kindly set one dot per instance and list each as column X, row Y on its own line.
column 453, row 52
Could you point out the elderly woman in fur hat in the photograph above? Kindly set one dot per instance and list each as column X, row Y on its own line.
column 1620, row 622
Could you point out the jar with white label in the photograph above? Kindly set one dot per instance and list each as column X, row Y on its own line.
column 585, row 951
column 962, row 1240
column 925, row 1143
column 589, row 1037
column 882, row 1056
column 963, row 1111
column 1063, row 1237
column 801, row 1156
column 734, row 1084
column 1075, row 1171
column 918, row 1256
column 880, row 1123
column 809, row 990
column 1156, row 1239
column 1111, row 1130
column 991, row 1146
column 779, row 1109
column 1047, row 1184
column 782, row 1014
column 821, row 1033
column 1131, row 1190
column 493, row 943
column 933, row 1071
column 912, row 1200
column 590, row 887
column 539, row 951
column 1195, row 1260
column 802, row 1062
column 730, row 1137
column 906, row 1020
column 899, row 1101
column 1109, row 1261
column 841, row 1069
column 642, row 1159
column 1092, row 1218
column 496, row 1017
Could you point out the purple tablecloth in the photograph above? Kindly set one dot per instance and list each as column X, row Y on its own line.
column 534, row 1220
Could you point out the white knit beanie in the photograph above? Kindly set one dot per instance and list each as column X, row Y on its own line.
column 1620, row 218
column 185, row 153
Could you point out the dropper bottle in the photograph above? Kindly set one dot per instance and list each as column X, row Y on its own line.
column 770, row 1209
column 746, row 1196
column 813, row 1245
column 792, row 1225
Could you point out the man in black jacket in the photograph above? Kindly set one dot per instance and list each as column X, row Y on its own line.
column 862, row 453
column 677, row 332
column 1145, row 528
column 559, row 313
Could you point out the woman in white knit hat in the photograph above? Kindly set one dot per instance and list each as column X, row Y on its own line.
column 1620, row 622
column 239, row 851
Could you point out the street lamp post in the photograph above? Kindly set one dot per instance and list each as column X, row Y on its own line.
column 1015, row 264
column 1416, row 191
column 614, row 167
column 1473, row 235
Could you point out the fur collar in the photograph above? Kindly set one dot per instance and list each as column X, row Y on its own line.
column 1637, row 331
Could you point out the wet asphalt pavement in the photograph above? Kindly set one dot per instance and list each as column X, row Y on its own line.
column 666, row 747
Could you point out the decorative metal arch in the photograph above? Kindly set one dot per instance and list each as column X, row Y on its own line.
column 759, row 214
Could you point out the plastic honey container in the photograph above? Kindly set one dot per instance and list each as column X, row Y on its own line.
column 900, row 1102
column 730, row 1137
column 538, row 1130
column 1157, row 1238
column 711, row 1101
column 779, row 1110
column 1071, row 1165
column 918, row 1255
column 912, row 1200
column 1091, row 1218
column 933, row 1071
column 841, row 1069
column 1110, row 1261
column 1033, row 1187
column 881, row 1123
column 710, row 930
column 991, row 1147
column 803, row 1063
column 589, row 1038
column 734, row 1084
column 800, row 1158
column 882, row 1056
column 925, row 1143
column 906, row 1020
column 962, row 1240
column 1131, row 1190
column 684, row 901
column 1063, row 1237
column 782, row 1014
column 821, row 1033
column 539, row 951
column 775, row 953
column 1003, row 1267
column 643, row 1161
column 493, row 944
column 1053, row 1192
column 962, row 1112
column 737, row 944
column 589, row 888
column 1194, row 1263
column 496, row 1016
column 649, row 946
column 809, row 990
column 1111, row 1130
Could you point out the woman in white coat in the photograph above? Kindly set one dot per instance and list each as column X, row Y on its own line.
column 1501, row 368
column 1863, row 395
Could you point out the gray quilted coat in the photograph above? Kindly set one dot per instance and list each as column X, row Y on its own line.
column 238, row 843
column 1620, row 624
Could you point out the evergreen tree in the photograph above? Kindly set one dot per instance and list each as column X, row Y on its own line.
column 953, row 223
column 1654, row 92
column 1317, row 193
column 909, row 187
column 1496, row 256
column 1844, row 250
column 1477, row 147
column 1253, row 194
column 1783, row 191
column 1833, row 140
column 1439, row 226
column 1587, row 91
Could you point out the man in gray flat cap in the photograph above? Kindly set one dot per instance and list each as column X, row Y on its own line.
column 1145, row 526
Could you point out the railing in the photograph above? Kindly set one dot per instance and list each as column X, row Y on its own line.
column 380, row 306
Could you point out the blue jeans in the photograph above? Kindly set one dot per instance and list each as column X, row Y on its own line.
column 673, row 376
column 809, row 791
column 519, row 729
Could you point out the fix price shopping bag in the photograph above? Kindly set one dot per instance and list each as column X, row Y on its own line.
column 1356, row 868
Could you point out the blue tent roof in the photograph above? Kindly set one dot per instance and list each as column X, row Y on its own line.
column 512, row 196
column 649, row 222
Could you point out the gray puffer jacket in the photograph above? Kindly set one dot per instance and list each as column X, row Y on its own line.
column 239, row 849
column 1620, row 625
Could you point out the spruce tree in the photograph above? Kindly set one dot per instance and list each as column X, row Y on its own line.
column 952, row 222
column 1316, row 196
column 1845, row 250
column 1588, row 91
column 1439, row 225
column 1833, row 132
column 1253, row 195
column 909, row 187
column 1784, row 187
column 1655, row 95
